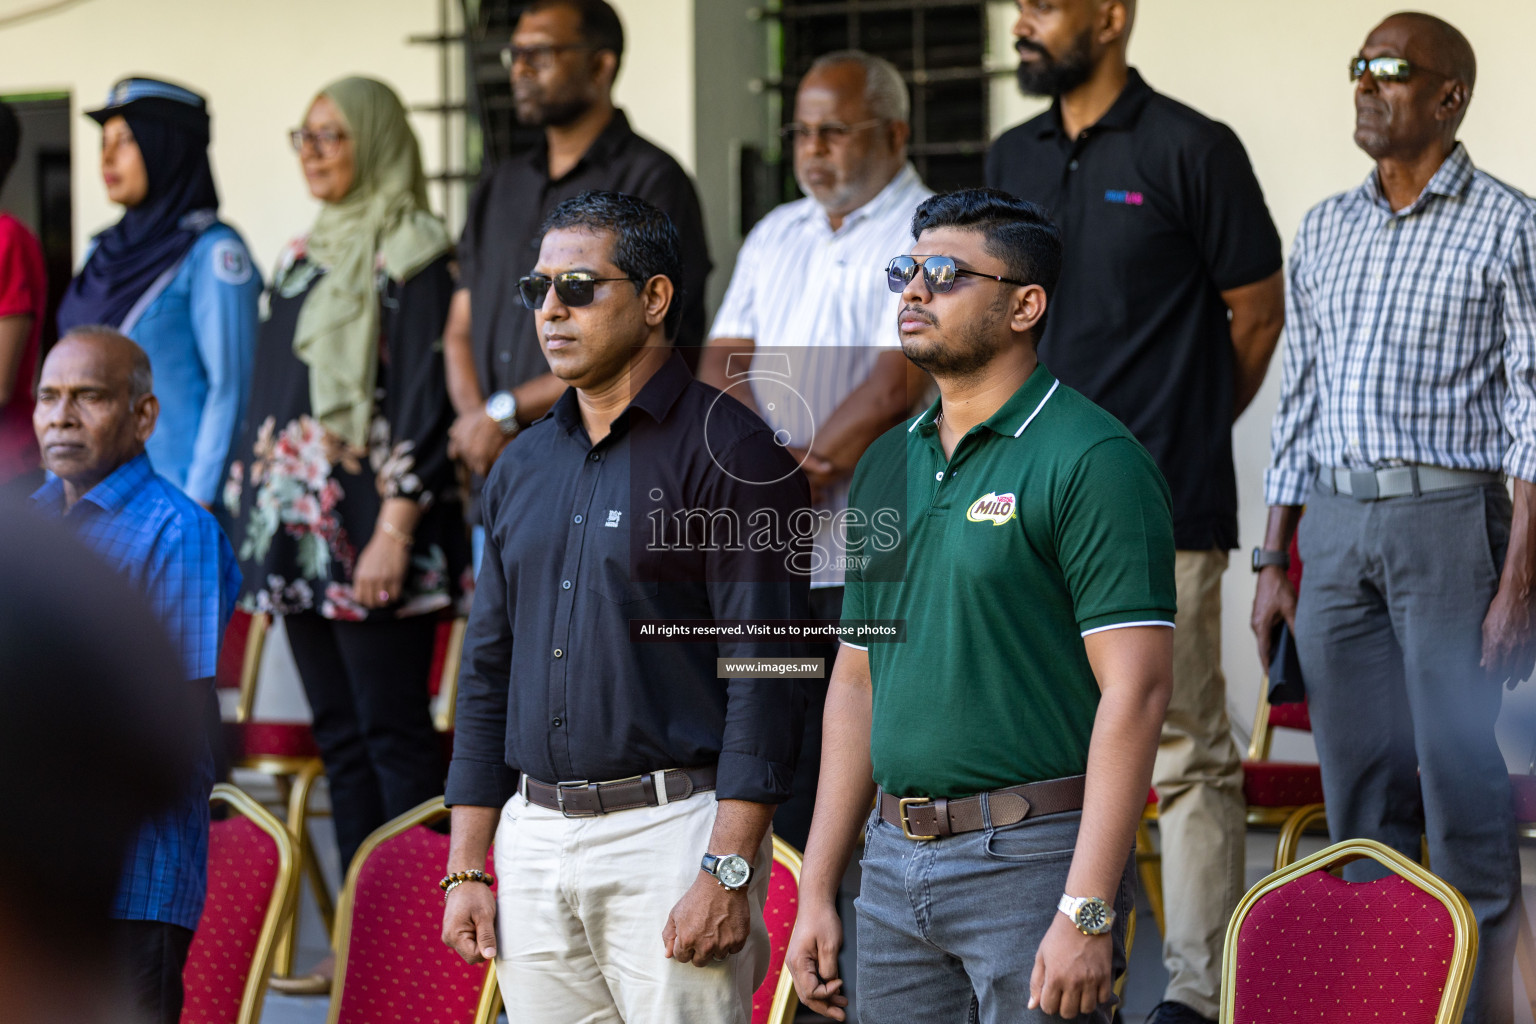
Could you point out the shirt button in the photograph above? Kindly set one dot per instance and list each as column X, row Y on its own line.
column 577, row 519
column 565, row 584
column 559, row 653
column 1072, row 166
column 506, row 357
column 596, row 457
column 938, row 476
column 555, row 723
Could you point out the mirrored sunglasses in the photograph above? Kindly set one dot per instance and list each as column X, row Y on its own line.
column 939, row 273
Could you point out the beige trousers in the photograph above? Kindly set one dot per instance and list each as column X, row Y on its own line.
column 580, row 906
column 1199, row 780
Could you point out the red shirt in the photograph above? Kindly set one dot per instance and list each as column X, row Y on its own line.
column 23, row 292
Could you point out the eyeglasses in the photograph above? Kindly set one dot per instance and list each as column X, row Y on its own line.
column 540, row 57
column 1386, row 69
column 574, row 287
column 830, row 132
column 938, row 273
column 325, row 142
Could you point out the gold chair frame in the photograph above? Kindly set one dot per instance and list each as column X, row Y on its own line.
column 1458, row 978
column 785, row 999
column 422, row 814
column 281, row 906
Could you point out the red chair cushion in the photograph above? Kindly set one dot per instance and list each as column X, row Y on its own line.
column 439, row 654
column 231, row 663
column 1323, row 949
column 270, row 739
column 779, row 915
column 1281, row 784
column 397, row 966
column 1524, row 789
column 1290, row 716
column 242, row 872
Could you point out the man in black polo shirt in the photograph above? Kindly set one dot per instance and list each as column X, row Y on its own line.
column 1169, row 309
column 563, row 60
column 611, row 886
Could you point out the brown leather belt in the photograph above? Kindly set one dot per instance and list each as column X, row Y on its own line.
column 921, row 817
column 589, row 799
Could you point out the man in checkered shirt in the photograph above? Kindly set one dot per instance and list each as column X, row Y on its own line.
column 1408, row 397
column 95, row 409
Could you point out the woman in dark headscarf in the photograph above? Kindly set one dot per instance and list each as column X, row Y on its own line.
column 345, row 507
column 172, row 277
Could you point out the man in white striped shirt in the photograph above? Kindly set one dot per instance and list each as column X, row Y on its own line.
column 1409, row 387
column 806, row 335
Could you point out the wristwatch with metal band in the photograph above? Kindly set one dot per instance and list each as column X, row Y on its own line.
column 502, row 407
column 1091, row 915
column 732, row 870
column 1264, row 557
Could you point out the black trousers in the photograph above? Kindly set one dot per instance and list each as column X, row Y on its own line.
column 367, row 689
column 792, row 820
column 152, row 955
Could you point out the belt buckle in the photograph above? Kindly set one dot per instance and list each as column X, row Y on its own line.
column 906, row 826
column 1364, row 485
column 561, row 788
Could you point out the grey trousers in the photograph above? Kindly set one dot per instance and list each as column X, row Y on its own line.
column 948, row 928
column 1389, row 631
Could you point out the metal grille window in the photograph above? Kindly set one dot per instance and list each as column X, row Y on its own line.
column 940, row 48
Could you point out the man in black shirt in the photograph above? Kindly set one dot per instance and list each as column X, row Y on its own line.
column 632, row 500
column 563, row 60
column 1168, row 310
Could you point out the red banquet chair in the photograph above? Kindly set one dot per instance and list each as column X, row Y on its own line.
column 391, row 964
column 1307, row 945
column 252, row 886
column 775, row 999
column 287, row 752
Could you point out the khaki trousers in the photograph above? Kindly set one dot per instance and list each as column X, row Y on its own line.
column 1198, row 776
column 580, row 906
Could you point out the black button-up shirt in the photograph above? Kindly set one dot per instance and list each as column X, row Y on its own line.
column 501, row 242
column 582, row 538
column 1160, row 213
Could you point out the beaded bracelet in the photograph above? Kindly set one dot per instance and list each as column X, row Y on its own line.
column 450, row 882
column 396, row 534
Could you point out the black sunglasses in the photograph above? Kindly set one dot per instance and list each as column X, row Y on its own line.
column 938, row 272
column 1386, row 69
column 574, row 287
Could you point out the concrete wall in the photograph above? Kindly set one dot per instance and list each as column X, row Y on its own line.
column 260, row 64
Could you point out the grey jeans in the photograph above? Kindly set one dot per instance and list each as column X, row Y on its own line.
column 948, row 928
column 1389, row 631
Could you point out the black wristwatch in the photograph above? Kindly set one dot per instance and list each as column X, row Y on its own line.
column 1263, row 557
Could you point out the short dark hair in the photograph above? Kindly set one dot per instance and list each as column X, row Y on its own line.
column 600, row 29
column 10, row 141
column 644, row 240
column 1018, row 232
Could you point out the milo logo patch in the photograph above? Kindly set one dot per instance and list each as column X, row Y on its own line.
column 993, row 508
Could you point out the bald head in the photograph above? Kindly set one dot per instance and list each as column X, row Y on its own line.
column 95, row 407
column 1442, row 45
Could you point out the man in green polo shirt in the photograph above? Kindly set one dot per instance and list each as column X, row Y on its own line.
column 1011, row 733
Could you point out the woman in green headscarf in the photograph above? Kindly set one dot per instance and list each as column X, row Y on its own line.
column 343, row 502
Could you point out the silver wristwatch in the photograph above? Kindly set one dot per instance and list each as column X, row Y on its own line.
column 732, row 870
column 1091, row 915
column 502, row 407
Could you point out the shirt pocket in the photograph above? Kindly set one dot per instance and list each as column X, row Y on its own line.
column 1449, row 300
column 618, row 568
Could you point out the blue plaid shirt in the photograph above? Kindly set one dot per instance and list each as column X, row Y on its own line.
column 1410, row 335
column 172, row 549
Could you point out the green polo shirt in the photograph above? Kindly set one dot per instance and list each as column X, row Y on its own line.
column 1050, row 522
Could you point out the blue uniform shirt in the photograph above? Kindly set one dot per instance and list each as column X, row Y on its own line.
column 174, row 551
column 200, row 336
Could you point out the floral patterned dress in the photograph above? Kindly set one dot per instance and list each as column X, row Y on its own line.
column 302, row 503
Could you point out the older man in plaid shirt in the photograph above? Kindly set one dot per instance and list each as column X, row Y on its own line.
column 95, row 409
column 1409, row 395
